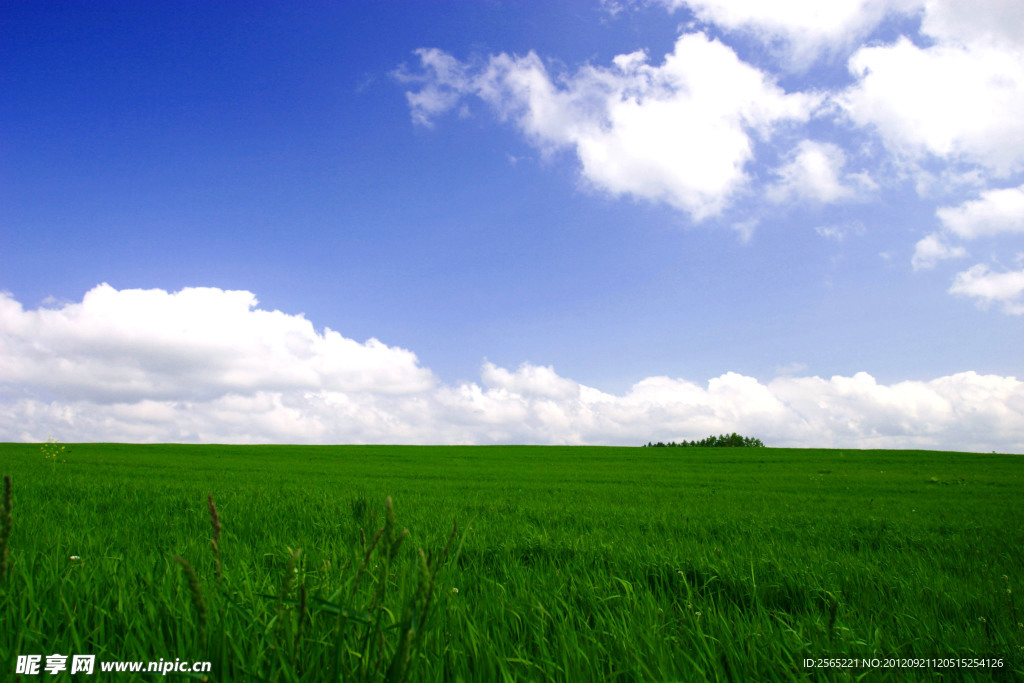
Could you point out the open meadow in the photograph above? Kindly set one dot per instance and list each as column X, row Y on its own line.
column 567, row 564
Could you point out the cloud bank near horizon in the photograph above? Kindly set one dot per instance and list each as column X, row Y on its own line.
column 207, row 365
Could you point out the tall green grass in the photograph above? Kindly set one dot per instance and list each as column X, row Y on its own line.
column 570, row 564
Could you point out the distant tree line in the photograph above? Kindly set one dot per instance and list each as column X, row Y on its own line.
column 733, row 440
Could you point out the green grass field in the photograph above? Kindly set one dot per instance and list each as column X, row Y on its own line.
column 569, row 563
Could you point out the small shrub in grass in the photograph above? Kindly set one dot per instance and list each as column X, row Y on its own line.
column 733, row 440
column 53, row 450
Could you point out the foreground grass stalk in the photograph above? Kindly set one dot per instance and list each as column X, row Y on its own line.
column 197, row 596
column 414, row 617
column 833, row 611
column 6, row 524
column 366, row 559
column 301, row 622
column 290, row 571
column 342, row 622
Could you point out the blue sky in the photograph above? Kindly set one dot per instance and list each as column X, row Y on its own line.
column 564, row 222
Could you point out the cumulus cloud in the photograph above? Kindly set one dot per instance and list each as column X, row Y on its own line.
column 964, row 408
column 205, row 365
column 988, row 287
column 441, row 88
column 993, row 22
column 814, row 172
column 931, row 249
column 680, row 132
column 956, row 95
column 957, row 99
column 996, row 211
column 199, row 343
column 529, row 379
column 800, row 29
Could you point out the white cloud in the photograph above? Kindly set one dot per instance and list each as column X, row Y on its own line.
column 813, row 172
column 206, row 365
column 974, row 412
column 988, row 287
column 441, row 89
column 931, row 249
column 745, row 229
column 802, row 29
column 808, row 28
column 529, row 379
column 839, row 232
column 992, row 22
column 679, row 132
column 194, row 344
column 997, row 211
column 958, row 99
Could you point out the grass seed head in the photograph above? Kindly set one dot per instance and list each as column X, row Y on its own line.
column 215, row 541
column 291, row 569
column 214, row 517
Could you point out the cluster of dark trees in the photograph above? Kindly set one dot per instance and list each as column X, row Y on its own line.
column 733, row 440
